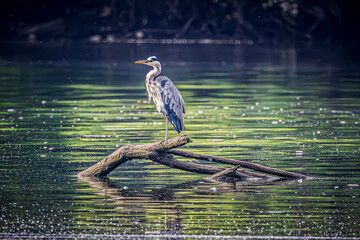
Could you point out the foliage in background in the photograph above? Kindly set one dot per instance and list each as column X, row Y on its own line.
column 264, row 22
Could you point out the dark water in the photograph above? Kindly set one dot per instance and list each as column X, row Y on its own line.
column 62, row 108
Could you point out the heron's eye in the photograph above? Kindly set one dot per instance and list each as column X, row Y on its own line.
column 151, row 60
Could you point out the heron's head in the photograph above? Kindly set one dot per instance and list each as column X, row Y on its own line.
column 151, row 61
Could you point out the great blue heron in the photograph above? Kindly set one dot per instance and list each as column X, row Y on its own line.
column 165, row 95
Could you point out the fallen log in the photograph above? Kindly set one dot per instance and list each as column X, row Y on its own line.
column 128, row 152
column 162, row 152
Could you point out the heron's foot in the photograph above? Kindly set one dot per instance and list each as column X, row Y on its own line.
column 163, row 141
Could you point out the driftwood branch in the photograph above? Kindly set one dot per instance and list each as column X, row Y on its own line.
column 245, row 164
column 168, row 160
column 161, row 152
column 229, row 172
column 129, row 152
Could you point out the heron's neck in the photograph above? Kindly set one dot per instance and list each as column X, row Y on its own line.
column 153, row 73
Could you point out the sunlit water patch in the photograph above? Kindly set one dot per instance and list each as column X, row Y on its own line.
column 59, row 116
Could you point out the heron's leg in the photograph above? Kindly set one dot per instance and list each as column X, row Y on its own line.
column 167, row 124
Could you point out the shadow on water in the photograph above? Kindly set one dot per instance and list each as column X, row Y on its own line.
column 164, row 199
column 167, row 192
column 62, row 108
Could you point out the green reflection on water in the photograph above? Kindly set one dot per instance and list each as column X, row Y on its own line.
column 56, row 120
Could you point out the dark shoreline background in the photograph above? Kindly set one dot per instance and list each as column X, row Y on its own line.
column 286, row 23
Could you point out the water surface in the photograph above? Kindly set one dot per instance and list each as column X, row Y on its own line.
column 63, row 108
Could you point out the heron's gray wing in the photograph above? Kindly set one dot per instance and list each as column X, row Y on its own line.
column 173, row 103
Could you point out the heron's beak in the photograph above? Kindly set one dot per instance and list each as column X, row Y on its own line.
column 142, row 62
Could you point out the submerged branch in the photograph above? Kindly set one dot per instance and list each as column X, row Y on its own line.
column 229, row 172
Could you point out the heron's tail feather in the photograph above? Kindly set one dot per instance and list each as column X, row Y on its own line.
column 175, row 120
